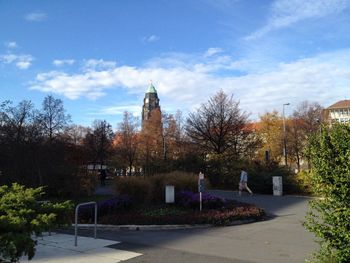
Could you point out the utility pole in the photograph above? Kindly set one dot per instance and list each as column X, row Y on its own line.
column 284, row 136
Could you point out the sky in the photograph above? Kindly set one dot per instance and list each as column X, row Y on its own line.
column 99, row 56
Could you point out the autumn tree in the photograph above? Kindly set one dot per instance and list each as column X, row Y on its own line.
column 173, row 132
column 151, row 142
column 271, row 134
column 126, row 141
column 296, row 139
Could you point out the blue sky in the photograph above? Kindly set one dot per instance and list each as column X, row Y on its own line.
column 99, row 56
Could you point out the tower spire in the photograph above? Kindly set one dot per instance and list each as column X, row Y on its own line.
column 151, row 88
column 150, row 102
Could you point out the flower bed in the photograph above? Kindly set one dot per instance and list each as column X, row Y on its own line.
column 215, row 217
column 217, row 211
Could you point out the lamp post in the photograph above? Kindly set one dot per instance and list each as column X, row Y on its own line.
column 284, row 136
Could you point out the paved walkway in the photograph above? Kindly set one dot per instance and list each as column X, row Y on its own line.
column 279, row 240
column 60, row 248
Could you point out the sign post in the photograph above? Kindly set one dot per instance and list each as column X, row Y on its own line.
column 201, row 187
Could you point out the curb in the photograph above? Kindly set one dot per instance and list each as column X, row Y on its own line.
column 161, row 227
column 141, row 227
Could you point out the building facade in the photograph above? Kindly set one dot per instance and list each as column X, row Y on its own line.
column 150, row 103
column 338, row 112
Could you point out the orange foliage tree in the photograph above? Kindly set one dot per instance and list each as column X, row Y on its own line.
column 151, row 142
column 127, row 141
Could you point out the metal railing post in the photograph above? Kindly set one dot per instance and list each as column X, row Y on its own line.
column 95, row 230
column 76, row 221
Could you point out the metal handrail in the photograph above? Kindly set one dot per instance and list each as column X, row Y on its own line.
column 76, row 220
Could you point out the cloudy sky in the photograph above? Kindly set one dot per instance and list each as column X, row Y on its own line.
column 100, row 56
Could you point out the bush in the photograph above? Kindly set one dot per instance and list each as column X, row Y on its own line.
column 115, row 204
column 138, row 188
column 21, row 215
column 152, row 189
column 304, row 182
column 182, row 181
column 109, row 206
column 259, row 177
column 329, row 217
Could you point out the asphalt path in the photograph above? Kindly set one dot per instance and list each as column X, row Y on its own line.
column 279, row 239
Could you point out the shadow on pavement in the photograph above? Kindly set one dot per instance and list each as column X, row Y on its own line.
column 282, row 239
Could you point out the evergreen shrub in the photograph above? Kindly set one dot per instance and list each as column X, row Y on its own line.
column 21, row 216
column 329, row 216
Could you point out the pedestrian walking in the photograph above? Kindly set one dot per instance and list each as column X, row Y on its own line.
column 103, row 176
column 243, row 183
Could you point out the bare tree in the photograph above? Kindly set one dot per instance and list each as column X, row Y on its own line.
column 53, row 117
column 305, row 122
column 76, row 133
column 20, row 140
column 98, row 142
column 218, row 124
column 310, row 113
column 16, row 120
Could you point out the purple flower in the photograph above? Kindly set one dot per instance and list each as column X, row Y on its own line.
column 189, row 199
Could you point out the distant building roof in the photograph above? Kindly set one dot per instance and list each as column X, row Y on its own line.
column 151, row 89
column 340, row 104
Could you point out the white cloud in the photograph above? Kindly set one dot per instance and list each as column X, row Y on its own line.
column 150, row 39
column 135, row 109
column 22, row 61
column 23, row 64
column 11, row 44
column 212, row 51
column 62, row 62
column 98, row 64
column 36, row 17
column 324, row 78
column 284, row 13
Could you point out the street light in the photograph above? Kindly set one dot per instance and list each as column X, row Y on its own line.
column 284, row 136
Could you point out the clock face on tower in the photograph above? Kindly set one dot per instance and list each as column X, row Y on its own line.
column 146, row 100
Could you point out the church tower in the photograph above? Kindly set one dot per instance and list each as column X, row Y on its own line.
column 150, row 103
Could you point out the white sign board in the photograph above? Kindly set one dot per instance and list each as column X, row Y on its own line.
column 201, row 176
column 169, row 194
column 277, row 185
